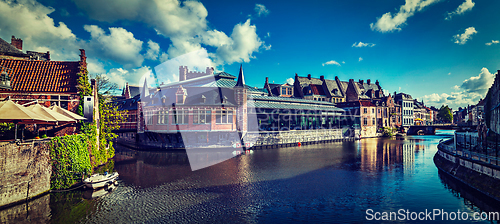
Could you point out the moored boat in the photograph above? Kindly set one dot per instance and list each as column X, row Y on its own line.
column 100, row 180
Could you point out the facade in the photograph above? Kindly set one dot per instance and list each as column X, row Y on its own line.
column 214, row 108
column 406, row 102
column 24, row 79
column 367, row 112
column 492, row 105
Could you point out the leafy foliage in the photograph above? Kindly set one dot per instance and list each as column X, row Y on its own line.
column 75, row 156
column 445, row 114
column 70, row 160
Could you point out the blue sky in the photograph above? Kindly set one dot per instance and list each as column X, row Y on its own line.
column 442, row 52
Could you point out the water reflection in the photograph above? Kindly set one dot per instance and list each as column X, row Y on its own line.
column 333, row 182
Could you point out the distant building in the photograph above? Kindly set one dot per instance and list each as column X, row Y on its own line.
column 321, row 89
column 406, row 102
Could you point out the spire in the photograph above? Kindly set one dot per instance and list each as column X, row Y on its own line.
column 145, row 89
column 241, row 78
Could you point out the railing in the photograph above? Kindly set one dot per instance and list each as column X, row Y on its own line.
column 470, row 145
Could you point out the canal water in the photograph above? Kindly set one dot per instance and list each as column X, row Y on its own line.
column 331, row 182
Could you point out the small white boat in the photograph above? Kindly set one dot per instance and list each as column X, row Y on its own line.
column 100, row 180
column 91, row 193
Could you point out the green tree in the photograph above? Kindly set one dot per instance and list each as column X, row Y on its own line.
column 445, row 114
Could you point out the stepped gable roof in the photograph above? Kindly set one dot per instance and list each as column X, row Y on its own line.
column 8, row 49
column 42, row 76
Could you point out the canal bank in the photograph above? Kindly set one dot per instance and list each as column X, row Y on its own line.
column 470, row 170
column 25, row 171
column 326, row 182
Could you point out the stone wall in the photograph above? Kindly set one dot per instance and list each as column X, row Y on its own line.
column 24, row 170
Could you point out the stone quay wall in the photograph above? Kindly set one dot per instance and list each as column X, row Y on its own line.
column 258, row 140
column 482, row 176
column 25, row 171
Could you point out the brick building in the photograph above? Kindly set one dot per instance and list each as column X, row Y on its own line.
column 24, row 79
column 492, row 105
column 367, row 112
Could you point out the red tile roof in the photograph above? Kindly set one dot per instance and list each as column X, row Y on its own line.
column 42, row 76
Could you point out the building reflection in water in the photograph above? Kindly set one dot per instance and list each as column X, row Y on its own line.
column 376, row 154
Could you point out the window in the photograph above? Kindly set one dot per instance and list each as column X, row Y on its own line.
column 365, row 121
column 373, row 110
column 365, row 110
column 201, row 116
column 162, row 117
column 180, row 116
column 373, row 121
column 289, row 91
column 149, row 117
column 283, row 91
column 223, row 117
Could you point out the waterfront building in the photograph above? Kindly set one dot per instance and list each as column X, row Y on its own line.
column 215, row 107
column 406, row 102
column 367, row 111
column 492, row 105
column 25, row 78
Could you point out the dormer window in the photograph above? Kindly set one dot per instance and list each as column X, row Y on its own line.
column 203, row 99
column 4, row 80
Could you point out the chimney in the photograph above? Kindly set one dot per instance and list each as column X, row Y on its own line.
column 16, row 42
column 322, row 78
column 182, row 73
column 267, row 80
column 361, row 81
column 210, row 71
column 48, row 55
column 368, row 81
column 309, row 76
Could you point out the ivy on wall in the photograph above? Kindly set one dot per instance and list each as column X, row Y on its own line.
column 70, row 160
column 76, row 156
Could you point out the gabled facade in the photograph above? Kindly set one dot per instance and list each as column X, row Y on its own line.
column 406, row 102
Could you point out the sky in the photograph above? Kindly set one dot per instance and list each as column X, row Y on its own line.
column 441, row 52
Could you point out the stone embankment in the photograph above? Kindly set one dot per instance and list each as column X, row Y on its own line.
column 25, row 171
column 479, row 175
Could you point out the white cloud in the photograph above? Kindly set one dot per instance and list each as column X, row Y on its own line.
column 332, row 62
column 290, row 81
column 480, row 83
column 361, row 44
column 30, row 21
column 388, row 22
column 94, row 66
column 465, row 6
column 343, row 62
column 119, row 45
column 492, row 42
column 449, row 73
column 184, row 23
column 360, row 59
column 153, row 50
column 464, row 37
column 261, row 10
column 120, row 76
column 241, row 45
column 266, row 47
column 469, row 93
